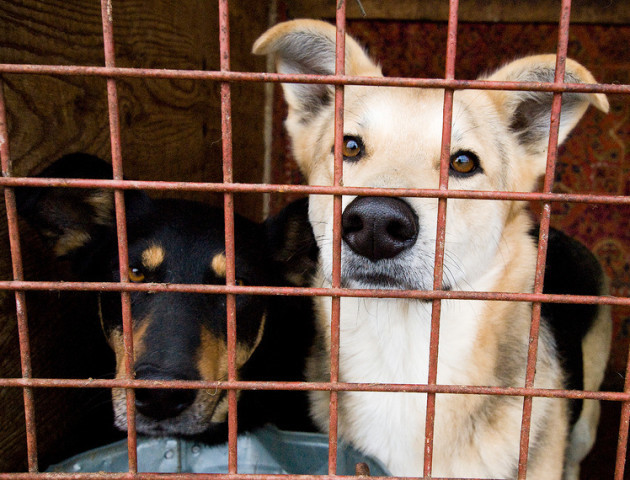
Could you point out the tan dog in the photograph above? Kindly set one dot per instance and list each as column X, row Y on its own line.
column 392, row 138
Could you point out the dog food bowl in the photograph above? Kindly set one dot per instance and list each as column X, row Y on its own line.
column 266, row 450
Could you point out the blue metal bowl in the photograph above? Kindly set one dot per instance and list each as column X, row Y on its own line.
column 266, row 450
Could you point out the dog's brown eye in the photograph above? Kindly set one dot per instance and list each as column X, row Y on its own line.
column 135, row 275
column 464, row 163
column 352, row 147
column 239, row 282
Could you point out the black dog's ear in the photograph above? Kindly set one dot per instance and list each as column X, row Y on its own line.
column 75, row 222
column 292, row 243
column 69, row 218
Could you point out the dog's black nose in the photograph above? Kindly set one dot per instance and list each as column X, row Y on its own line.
column 161, row 403
column 379, row 227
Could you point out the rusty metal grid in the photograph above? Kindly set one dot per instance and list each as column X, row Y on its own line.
column 27, row 383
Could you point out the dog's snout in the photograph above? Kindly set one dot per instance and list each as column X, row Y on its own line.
column 162, row 403
column 379, row 227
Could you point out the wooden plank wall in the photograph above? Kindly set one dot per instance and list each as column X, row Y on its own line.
column 170, row 131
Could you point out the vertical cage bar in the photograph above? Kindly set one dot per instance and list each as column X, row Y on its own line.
column 543, row 234
column 451, row 50
column 337, row 206
column 228, row 199
column 20, row 296
column 121, row 229
column 340, row 69
column 624, row 423
column 268, row 126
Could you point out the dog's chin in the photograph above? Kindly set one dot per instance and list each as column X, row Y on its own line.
column 168, row 427
column 195, row 420
column 210, row 433
column 377, row 281
column 389, row 274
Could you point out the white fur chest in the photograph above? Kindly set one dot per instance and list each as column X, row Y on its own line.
column 387, row 341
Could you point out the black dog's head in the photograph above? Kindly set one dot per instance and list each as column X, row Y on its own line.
column 177, row 336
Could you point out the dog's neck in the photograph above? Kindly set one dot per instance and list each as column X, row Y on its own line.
column 387, row 341
column 392, row 335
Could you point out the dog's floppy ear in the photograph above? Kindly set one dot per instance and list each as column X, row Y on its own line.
column 308, row 47
column 77, row 223
column 528, row 114
column 292, row 244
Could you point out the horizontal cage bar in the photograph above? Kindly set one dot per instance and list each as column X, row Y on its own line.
column 314, row 386
column 120, row 72
column 319, row 292
column 586, row 198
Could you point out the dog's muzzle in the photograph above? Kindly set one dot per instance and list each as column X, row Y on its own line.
column 158, row 403
column 379, row 227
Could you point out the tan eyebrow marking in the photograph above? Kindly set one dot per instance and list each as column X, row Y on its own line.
column 219, row 264
column 153, row 257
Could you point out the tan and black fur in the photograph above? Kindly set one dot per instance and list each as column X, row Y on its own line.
column 392, row 138
column 178, row 335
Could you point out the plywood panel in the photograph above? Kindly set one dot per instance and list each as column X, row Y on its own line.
column 170, row 131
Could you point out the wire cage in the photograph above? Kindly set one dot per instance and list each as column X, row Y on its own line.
column 226, row 79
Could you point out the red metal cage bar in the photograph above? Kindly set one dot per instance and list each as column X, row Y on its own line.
column 126, row 72
column 225, row 76
column 203, row 476
column 316, row 386
column 121, row 228
column 340, row 68
column 543, row 234
column 20, row 300
column 312, row 189
column 438, row 270
column 228, row 199
column 319, row 292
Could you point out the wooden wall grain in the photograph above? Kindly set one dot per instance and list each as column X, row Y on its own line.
column 170, row 131
column 170, row 128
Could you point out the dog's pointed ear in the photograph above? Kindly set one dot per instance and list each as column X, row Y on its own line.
column 528, row 114
column 292, row 244
column 74, row 222
column 308, row 47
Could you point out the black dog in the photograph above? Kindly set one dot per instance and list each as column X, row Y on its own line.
column 182, row 336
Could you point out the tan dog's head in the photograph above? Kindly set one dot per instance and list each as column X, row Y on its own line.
column 392, row 138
